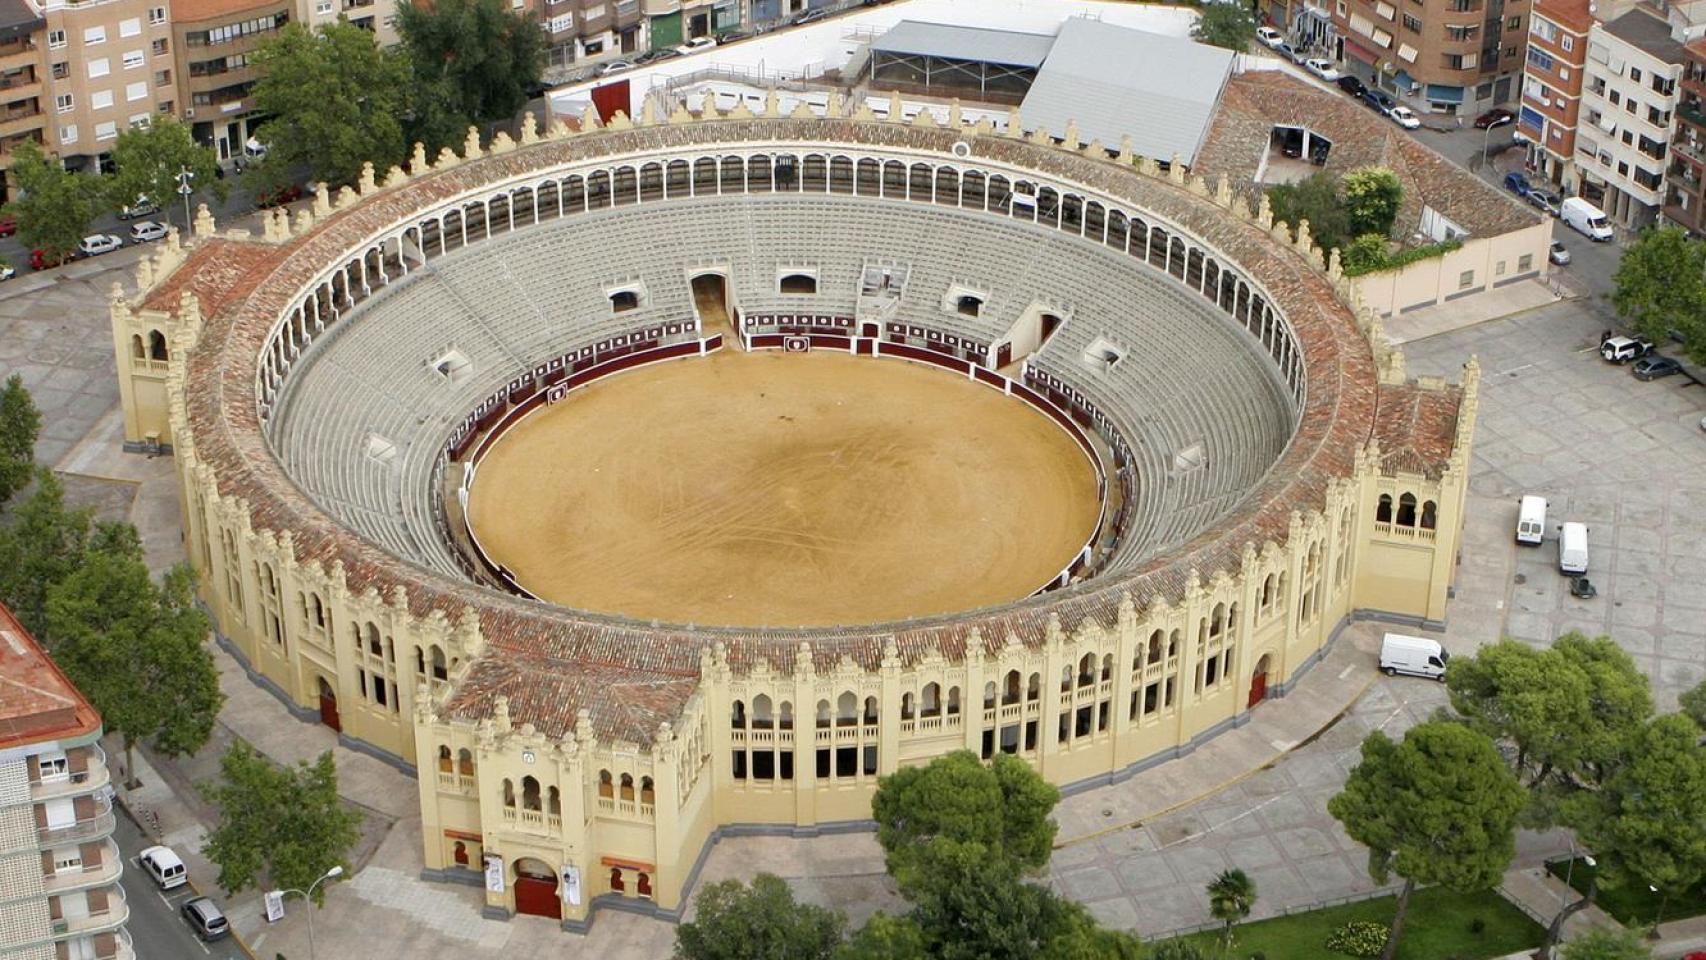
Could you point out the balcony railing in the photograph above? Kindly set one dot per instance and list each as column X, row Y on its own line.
column 95, row 827
column 80, row 878
column 75, row 781
column 116, row 913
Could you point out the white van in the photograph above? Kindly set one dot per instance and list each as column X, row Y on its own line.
column 1415, row 656
column 163, row 867
column 1531, row 521
column 1573, row 549
column 1585, row 218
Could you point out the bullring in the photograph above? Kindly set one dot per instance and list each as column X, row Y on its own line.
column 1268, row 470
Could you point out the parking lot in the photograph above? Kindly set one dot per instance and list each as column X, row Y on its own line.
column 156, row 929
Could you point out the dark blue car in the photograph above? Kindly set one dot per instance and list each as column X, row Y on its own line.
column 1518, row 184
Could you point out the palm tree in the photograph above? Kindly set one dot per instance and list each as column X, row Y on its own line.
column 1230, row 897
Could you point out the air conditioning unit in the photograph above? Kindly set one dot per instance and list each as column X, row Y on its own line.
column 189, row 114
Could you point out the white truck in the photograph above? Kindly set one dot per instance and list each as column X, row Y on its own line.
column 1585, row 218
column 1415, row 656
column 1573, row 549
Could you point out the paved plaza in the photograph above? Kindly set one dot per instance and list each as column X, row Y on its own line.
column 1625, row 457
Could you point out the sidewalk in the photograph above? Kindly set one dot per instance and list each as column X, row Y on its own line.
column 1457, row 314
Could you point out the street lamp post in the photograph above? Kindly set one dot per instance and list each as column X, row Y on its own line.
column 1570, row 871
column 1658, row 918
column 184, row 190
column 336, row 871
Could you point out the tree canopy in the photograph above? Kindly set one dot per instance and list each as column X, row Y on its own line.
column 54, row 206
column 472, row 61
column 20, row 422
column 1003, row 809
column 1437, row 808
column 282, row 822
column 1607, row 943
column 148, row 158
column 333, row 99
column 1660, row 286
column 1372, row 196
column 1231, row 896
column 760, row 922
column 1316, row 199
column 1225, row 23
column 134, row 647
column 42, row 545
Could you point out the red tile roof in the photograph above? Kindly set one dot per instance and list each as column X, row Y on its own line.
column 38, row 702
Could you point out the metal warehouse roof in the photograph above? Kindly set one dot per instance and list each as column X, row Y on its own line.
column 1114, row 81
column 1005, row 47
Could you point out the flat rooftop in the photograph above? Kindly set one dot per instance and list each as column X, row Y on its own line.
column 37, row 700
column 1008, row 48
column 1647, row 32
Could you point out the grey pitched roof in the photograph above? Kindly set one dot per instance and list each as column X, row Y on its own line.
column 1005, row 47
column 1114, row 81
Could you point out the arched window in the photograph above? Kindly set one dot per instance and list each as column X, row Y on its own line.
column 1430, row 514
column 1383, row 510
column 989, row 695
column 509, row 793
column 798, row 283
column 643, row 885
column 738, row 715
column 647, row 795
column 627, row 787
column 1155, row 647
column 1011, row 693
column 137, row 350
column 420, row 662
column 1034, row 689
column 846, row 710
column 1107, row 666
column 787, row 716
column 1407, row 510
column 529, row 793
column 623, row 301
column 1065, row 679
column 870, row 711
column 1268, row 591
column 554, row 802
column 444, row 764
column 930, row 701
column 761, row 719
column 906, row 706
column 465, row 762
column 373, row 645
column 157, row 346
column 1173, row 644
column 953, row 701
column 1217, row 621
column 606, row 787
column 968, row 305
column 1087, row 670
column 1313, row 563
column 823, row 713
column 439, row 670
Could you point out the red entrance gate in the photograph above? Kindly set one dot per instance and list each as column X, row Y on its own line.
column 329, row 707
column 537, row 897
column 1258, row 688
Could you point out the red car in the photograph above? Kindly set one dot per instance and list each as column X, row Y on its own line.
column 8, row 225
column 289, row 193
column 1494, row 118
column 42, row 260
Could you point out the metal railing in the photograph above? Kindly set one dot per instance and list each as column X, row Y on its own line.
column 75, row 781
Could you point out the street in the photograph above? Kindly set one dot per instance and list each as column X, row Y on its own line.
column 156, row 929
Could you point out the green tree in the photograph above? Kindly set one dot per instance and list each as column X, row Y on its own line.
column 1003, row 808
column 1364, row 254
column 284, row 822
column 473, row 62
column 54, row 207
column 885, row 937
column 1176, row 950
column 20, row 421
column 1230, row 899
column 1647, row 822
column 136, row 648
column 1608, row 943
column 1225, row 23
column 1439, row 807
column 1692, row 702
column 760, row 922
column 1372, row 196
column 1660, row 286
column 42, row 545
column 333, row 100
column 148, row 158
column 1316, row 199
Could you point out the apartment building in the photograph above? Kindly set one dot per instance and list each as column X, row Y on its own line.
column 1685, row 195
column 1552, row 86
column 216, row 42
column 671, row 22
column 22, row 72
column 1448, row 56
column 109, row 66
column 377, row 16
column 1629, row 95
column 579, row 30
column 59, row 866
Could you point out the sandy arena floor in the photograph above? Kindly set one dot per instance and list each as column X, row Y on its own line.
column 784, row 490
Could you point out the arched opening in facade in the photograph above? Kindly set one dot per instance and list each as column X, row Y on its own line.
column 1259, row 680
column 536, row 889
column 329, row 705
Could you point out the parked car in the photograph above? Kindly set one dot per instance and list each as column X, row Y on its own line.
column 1545, row 200
column 7, row 271
column 289, row 193
column 98, row 243
column 1654, row 367
column 1404, row 117
column 1269, row 37
column 142, row 207
column 8, row 225
column 1322, row 68
column 1352, row 86
column 1558, row 254
column 42, row 260
column 810, row 16
column 654, row 56
column 164, row 867
column 1496, row 117
column 205, row 918
column 732, row 35
column 1379, row 100
column 145, row 231
column 1518, row 184
column 696, row 44
column 609, row 67
column 1624, row 349
column 1586, row 219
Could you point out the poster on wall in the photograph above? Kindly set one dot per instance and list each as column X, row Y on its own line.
column 572, row 885
column 494, row 874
